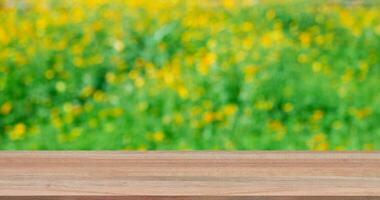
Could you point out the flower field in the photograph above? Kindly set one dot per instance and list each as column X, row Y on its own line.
column 189, row 75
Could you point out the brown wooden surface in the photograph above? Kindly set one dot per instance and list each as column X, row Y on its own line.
column 189, row 175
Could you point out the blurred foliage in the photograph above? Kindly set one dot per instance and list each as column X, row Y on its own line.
column 177, row 74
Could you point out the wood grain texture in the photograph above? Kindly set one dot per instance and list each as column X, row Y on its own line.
column 189, row 175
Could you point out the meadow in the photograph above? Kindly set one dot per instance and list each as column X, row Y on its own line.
column 189, row 75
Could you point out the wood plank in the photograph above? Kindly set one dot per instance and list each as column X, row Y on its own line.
column 189, row 175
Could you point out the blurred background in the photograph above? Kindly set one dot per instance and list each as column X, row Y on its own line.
column 189, row 75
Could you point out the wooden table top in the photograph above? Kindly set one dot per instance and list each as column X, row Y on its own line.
column 189, row 175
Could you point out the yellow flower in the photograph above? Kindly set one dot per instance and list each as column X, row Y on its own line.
column 56, row 122
column 68, row 119
column 249, row 72
column 320, row 40
column 337, row 125
column 317, row 116
column 317, row 67
column 139, row 82
column 210, row 58
column 49, row 74
column 41, row 24
column 229, row 4
column 208, row 117
column 206, row 63
column 60, row 86
column 99, row 96
column 340, row 148
column 271, row 14
column 247, row 43
column 61, row 138
column 68, row 107
column 158, row 136
column 361, row 113
column 4, row 36
column 229, row 109
column 142, row 147
column 195, row 111
column 77, row 15
column 18, row 131
column 302, row 58
column 287, row 107
column 183, row 92
column 266, row 40
column 305, row 39
column 142, row 106
column 278, row 127
column 86, row 91
column 117, row 112
column 347, row 76
column 207, row 104
column 318, row 142
column 6, row 108
column 247, row 26
column 110, row 77
column 79, row 62
column 264, row 105
column 369, row 147
column 228, row 144
column 109, row 127
column 118, row 45
column 74, row 133
column 93, row 123
column 178, row 118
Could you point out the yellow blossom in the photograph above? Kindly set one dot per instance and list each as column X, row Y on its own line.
column 247, row 26
column 49, row 74
column 117, row 112
column 183, row 92
column 206, row 63
column 337, row 125
column 178, row 118
column 302, row 58
column 347, row 76
column 208, row 117
column 158, row 136
column 249, row 72
column 361, row 113
column 264, row 105
column 229, row 4
column 99, row 96
column 93, row 123
column 317, row 116
column 278, row 127
column 74, row 133
column 305, row 39
column 247, row 43
column 318, row 142
column 18, row 131
column 317, row 67
column 139, row 82
column 271, row 14
column 369, row 147
column 287, row 107
column 109, row 127
column 229, row 109
column 340, row 148
column 87, row 91
column 110, row 77
column 142, row 147
column 6, row 108
column 60, row 86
